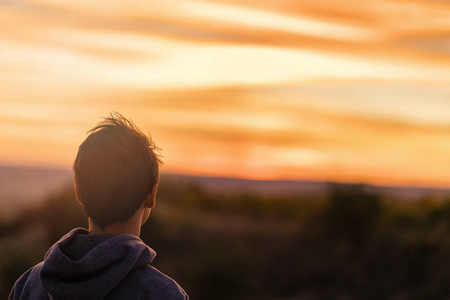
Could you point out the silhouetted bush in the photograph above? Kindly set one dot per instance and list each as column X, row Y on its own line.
column 352, row 213
column 61, row 213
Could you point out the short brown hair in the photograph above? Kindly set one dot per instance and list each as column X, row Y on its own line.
column 116, row 168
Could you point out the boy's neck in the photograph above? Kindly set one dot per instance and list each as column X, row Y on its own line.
column 127, row 227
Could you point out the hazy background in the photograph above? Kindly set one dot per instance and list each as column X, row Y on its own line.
column 257, row 106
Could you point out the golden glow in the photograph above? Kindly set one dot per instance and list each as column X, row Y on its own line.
column 323, row 90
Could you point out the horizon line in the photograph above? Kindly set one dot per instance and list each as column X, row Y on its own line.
column 6, row 165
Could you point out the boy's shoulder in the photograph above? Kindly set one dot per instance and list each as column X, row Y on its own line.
column 28, row 286
column 139, row 284
column 82, row 266
column 149, row 281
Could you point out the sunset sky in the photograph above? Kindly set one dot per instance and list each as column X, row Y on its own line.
column 342, row 90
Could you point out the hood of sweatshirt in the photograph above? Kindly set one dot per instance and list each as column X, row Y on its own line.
column 89, row 266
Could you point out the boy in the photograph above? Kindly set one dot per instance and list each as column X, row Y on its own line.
column 116, row 178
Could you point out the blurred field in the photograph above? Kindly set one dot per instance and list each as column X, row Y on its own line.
column 344, row 242
column 22, row 187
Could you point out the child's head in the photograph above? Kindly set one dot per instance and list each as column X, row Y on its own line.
column 115, row 170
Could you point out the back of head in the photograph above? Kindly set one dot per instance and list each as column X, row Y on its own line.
column 115, row 169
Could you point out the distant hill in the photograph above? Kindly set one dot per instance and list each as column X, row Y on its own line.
column 24, row 186
column 292, row 187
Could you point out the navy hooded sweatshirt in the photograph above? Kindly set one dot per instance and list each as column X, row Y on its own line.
column 97, row 266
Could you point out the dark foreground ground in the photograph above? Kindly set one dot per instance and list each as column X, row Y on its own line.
column 346, row 242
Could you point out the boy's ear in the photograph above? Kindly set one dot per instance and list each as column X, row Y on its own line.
column 76, row 194
column 151, row 198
